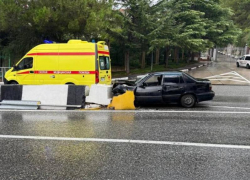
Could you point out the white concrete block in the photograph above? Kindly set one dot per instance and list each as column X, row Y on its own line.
column 47, row 94
column 100, row 94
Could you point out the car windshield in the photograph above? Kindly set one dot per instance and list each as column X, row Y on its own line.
column 141, row 79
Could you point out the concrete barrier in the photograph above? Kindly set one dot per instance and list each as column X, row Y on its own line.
column 100, row 94
column 51, row 96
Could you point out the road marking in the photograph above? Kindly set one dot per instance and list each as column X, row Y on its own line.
column 126, row 141
column 131, row 111
column 228, row 80
column 229, row 107
column 228, row 77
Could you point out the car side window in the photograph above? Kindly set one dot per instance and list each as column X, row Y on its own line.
column 26, row 63
column 247, row 58
column 181, row 80
column 187, row 79
column 155, row 80
column 172, row 79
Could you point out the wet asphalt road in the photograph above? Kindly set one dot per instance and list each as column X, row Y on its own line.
column 223, row 72
column 210, row 141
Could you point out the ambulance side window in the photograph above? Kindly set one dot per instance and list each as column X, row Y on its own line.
column 26, row 63
column 104, row 63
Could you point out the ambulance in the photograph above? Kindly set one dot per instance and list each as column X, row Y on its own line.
column 76, row 62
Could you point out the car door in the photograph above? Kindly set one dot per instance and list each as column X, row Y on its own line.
column 105, row 71
column 247, row 60
column 25, row 71
column 242, row 61
column 173, row 88
column 150, row 91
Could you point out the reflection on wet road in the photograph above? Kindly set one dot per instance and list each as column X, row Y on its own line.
column 68, row 158
column 210, row 141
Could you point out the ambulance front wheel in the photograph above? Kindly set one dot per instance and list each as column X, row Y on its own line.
column 70, row 84
column 13, row 82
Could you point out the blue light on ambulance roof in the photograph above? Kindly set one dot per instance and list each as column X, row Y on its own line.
column 48, row 42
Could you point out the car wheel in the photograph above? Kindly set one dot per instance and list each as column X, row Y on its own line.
column 237, row 64
column 248, row 66
column 13, row 82
column 188, row 100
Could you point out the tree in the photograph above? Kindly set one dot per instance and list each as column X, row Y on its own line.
column 28, row 23
column 241, row 18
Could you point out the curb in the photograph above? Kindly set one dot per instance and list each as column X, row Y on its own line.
column 193, row 68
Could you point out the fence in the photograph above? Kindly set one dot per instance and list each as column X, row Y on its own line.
column 3, row 70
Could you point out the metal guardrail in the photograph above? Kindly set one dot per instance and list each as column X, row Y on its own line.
column 3, row 70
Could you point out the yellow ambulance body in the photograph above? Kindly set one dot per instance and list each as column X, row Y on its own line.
column 76, row 62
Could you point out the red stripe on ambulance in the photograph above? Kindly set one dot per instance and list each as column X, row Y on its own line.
column 67, row 53
column 59, row 72
column 62, row 54
column 25, row 72
column 103, row 52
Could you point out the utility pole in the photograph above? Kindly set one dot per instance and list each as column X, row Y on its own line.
column 152, row 60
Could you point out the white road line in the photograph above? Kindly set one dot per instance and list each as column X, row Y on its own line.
column 126, row 141
column 228, row 80
column 229, row 107
column 225, row 77
column 131, row 111
column 244, row 78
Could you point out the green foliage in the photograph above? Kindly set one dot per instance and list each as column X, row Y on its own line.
column 241, row 18
column 28, row 23
column 141, row 25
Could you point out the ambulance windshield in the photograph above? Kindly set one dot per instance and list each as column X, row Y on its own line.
column 104, row 63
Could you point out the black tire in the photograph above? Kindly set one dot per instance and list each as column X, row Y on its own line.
column 237, row 64
column 248, row 66
column 188, row 101
column 13, row 82
column 70, row 84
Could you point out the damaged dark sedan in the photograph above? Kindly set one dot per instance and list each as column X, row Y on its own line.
column 167, row 88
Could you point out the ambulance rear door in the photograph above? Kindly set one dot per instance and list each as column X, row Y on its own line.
column 105, row 70
column 104, row 63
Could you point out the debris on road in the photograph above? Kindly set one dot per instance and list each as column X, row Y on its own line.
column 123, row 102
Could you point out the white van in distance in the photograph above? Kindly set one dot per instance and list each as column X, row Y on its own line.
column 244, row 61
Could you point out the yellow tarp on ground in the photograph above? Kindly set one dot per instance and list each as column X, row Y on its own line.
column 123, row 102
